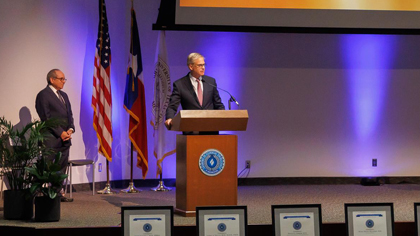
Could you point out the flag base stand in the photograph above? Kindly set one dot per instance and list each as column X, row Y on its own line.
column 131, row 189
column 107, row 190
column 161, row 187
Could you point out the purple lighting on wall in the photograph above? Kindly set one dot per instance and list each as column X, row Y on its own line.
column 224, row 53
column 367, row 59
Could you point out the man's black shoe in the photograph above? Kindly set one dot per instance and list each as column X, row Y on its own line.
column 64, row 199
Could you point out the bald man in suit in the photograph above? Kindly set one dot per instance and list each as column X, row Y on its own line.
column 52, row 102
column 195, row 91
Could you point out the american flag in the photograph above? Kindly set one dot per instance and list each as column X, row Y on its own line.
column 101, row 97
column 134, row 99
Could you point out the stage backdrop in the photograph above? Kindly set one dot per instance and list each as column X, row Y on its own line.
column 319, row 104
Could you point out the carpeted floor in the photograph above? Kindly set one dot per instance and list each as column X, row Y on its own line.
column 104, row 210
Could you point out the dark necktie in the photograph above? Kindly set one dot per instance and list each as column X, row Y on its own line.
column 60, row 97
column 199, row 92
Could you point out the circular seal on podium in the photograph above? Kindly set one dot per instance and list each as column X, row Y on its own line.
column 211, row 162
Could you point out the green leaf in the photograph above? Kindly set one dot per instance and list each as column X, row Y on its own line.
column 52, row 194
column 35, row 187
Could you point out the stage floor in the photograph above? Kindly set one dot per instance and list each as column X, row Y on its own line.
column 104, row 210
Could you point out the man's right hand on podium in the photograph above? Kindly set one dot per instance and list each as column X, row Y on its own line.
column 168, row 124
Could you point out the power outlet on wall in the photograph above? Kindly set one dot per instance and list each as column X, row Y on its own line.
column 374, row 162
column 247, row 164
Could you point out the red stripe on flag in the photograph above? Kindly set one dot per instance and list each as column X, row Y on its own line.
column 100, row 96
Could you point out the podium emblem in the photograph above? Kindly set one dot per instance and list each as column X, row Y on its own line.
column 211, row 162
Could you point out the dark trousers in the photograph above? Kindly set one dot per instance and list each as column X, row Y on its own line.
column 65, row 152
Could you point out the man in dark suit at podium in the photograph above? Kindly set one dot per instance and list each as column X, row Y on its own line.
column 195, row 91
column 51, row 102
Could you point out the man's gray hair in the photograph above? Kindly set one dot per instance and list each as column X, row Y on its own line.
column 192, row 57
column 51, row 74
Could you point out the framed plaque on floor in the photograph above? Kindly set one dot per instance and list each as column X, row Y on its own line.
column 369, row 219
column 291, row 220
column 221, row 220
column 147, row 220
column 417, row 217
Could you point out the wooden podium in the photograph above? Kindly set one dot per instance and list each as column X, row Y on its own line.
column 194, row 185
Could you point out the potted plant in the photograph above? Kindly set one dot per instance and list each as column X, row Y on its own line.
column 18, row 149
column 46, row 180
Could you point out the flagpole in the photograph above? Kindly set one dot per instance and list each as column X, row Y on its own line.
column 107, row 189
column 131, row 188
column 161, row 186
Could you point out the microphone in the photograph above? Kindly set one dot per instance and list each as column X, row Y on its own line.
column 232, row 99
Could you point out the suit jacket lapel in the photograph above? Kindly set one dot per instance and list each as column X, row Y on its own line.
column 65, row 100
column 190, row 88
column 56, row 99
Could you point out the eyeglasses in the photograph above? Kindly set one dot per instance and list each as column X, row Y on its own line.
column 62, row 79
column 200, row 65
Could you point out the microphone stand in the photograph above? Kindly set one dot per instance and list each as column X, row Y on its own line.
column 232, row 99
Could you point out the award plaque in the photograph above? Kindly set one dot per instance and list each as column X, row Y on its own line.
column 221, row 221
column 417, row 217
column 296, row 220
column 370, row 219
column 146, row 221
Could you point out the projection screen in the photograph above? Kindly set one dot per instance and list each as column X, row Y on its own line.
column 399, row 15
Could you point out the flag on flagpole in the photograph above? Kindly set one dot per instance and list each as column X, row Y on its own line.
column 164, row 141
column 101, row 96
column 134, row 99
